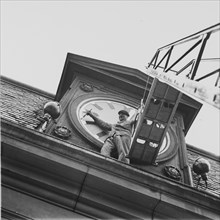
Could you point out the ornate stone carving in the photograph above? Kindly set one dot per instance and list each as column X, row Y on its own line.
column 172, row 172
column 86, row 87
column 51, row 110
column 201, row 167
column 62, row 132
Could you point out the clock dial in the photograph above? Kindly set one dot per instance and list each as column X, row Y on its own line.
column 107, row 108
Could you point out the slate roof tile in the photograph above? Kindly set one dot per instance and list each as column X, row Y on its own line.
column 21, row 106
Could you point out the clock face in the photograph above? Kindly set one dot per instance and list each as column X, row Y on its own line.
column 107, row 110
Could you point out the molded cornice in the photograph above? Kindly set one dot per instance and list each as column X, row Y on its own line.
column 85, row 181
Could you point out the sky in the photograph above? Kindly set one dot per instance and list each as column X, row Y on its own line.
column 37, row 35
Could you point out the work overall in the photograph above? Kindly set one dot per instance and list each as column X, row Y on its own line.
column 119, row 137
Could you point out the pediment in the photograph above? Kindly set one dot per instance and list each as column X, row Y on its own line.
column 100, row 70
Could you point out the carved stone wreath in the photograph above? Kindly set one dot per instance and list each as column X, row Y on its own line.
column 62, row 132
column 172, row 172
column 86, row 87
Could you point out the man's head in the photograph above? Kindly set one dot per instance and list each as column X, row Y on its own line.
column 123, row 115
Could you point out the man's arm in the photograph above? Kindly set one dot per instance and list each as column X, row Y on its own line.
column 102, row 124
column 135, row 117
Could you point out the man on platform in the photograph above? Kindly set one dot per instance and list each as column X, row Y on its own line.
column 119, row 135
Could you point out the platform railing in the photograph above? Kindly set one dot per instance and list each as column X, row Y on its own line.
column 199, row 40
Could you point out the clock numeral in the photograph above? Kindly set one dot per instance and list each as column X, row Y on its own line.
column 90, row 122
column 111, row 106
column 96, row 114
column 98, row 106
column 101, row 134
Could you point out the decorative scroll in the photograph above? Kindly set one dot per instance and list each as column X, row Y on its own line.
column 86, row 87
column 62, row 132
column 172, row 172
column 197, row 89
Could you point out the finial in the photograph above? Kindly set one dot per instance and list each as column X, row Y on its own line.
column 201, row 167
column 52, row 110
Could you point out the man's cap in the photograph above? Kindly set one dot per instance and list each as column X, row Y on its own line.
column 123, row 112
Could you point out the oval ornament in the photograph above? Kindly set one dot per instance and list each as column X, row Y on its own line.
column 86, row 87
column 172, row 172
column 62, row 132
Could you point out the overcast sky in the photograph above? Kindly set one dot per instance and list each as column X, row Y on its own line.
column 37, row 35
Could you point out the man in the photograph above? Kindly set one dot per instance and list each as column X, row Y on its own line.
column 119, row 135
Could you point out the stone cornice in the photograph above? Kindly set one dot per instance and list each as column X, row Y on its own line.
column 101, row 181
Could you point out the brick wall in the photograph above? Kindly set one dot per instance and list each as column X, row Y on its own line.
column 21, row 105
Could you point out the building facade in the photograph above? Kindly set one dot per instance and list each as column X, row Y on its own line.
column 52, row 167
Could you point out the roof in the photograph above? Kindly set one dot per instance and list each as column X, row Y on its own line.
column 21, row 103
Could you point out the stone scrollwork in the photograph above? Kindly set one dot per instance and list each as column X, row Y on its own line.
column 172, row 172
column 86, row 87
column 62, row 132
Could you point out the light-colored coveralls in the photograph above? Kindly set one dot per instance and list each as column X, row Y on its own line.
column 119, row 137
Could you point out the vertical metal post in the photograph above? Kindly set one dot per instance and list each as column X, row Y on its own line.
column 168, row 58
column 167, row 53
column 198, row 59
column 154, row 59
column 217, row 80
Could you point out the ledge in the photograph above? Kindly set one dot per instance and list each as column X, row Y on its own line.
column 101, row 185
